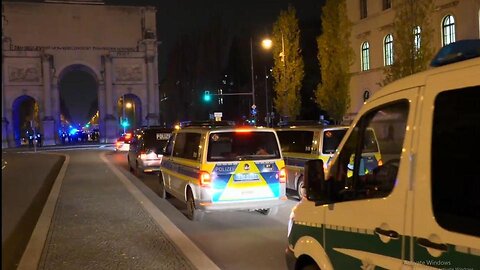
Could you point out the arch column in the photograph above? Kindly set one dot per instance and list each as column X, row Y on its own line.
column 47, row 122
column 4, row 118
column 109, row 119
column 152, row 116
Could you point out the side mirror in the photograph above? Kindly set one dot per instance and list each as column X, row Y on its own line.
column 314, row 180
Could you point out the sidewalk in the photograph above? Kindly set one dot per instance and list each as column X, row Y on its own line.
column 103, row 222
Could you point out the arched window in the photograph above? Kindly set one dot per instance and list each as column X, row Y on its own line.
column 448, row 30
column 365, row 56
column 388, row 50
column 416, row 37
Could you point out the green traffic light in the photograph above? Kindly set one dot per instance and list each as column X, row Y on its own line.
column 206, row 96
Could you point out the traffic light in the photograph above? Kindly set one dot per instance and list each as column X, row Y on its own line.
column 206, row 96
column 125, row 123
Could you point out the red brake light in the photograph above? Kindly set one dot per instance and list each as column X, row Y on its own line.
column 242, row 130
column 205, row 179
column 282, row 176
column 128, row 136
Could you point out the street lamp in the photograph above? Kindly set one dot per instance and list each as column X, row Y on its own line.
column 251, row 67
column 266, row 44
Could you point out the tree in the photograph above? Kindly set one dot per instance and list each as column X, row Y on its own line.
column 411, row 52
column 335, row 56
column 288, row 64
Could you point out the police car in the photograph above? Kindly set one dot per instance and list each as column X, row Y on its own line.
column 217, row 166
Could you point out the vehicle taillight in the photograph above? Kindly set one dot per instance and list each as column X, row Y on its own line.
column 205, row 179
column 118, row 143
column 380, row 162
column 282, row 176
column 143, row 155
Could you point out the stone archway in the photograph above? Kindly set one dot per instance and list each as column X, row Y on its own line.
column 25, row 118
column 78, row 97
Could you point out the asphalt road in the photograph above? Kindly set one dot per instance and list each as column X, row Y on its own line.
column 232, row 240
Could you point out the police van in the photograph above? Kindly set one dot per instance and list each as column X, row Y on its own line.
column 302, row 141
column 419, row 209
column 217, row 166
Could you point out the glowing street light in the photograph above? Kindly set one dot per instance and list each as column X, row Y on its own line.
column 267, row 43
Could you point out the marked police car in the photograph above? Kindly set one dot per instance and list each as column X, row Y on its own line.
column 214, row 166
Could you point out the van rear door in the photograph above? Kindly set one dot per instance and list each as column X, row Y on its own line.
column 245, row 165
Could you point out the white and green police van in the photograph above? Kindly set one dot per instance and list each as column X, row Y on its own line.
column 420, row 208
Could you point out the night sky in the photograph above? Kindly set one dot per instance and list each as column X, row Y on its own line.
column 241, row 17
column 176, row 18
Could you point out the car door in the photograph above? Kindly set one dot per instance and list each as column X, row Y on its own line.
column 167, row 165
column 446, row 218
column 365, row 223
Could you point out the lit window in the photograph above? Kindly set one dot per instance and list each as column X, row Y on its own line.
column 365, row 56
column 363, row 9
column 416, row 38
column 448, row 27
column 388, row 50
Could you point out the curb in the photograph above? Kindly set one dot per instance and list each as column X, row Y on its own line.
column 33, row 252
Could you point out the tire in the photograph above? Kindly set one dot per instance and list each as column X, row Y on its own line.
column 129, row 165
column 192, row 212
column 269, row 211
column 300, row 188
column 310, row 267
column 162, row 193
column 137, row 169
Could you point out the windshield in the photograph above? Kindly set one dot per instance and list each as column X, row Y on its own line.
column 331, row 140
column 233, row 146
column 155, row 139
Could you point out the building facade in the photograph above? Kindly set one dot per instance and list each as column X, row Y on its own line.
column 372, row 36
column 44, row 42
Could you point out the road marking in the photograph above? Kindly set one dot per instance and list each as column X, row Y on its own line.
column 32, row 254
column 196, row 256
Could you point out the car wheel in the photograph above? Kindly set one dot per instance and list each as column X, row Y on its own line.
column 137, row 169
column 310, row 267
column 192, row 212
column 129, row 164
column 162, row 191
column 301, row 192
column 269, row 211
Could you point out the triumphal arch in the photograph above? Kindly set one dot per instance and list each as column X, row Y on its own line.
column 44, row 42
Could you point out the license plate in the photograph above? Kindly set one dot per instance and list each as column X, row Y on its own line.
column 245, row 177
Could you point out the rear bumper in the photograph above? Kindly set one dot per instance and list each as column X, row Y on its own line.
column 241, row 205
column 150, row 165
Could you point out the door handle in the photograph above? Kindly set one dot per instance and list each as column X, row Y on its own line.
column 389, row 233
column 424, row 242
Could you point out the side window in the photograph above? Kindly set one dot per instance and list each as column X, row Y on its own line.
column 186, row 145
column 296, row 141
column 367, row 165
column 454, row 164
column 169, row 146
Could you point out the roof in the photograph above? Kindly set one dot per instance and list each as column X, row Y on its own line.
column 419, row 79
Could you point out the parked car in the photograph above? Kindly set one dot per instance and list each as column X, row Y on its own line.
column 302, row 141
column 146, row 149
column 123, row 143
